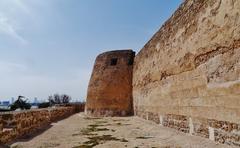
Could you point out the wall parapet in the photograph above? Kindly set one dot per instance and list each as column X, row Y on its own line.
column 18, row 124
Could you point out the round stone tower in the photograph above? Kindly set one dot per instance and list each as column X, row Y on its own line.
column 110, row 86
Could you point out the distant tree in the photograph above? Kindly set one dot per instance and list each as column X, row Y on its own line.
column 59, row 99
column 51, row 100
column 20, row 103
column 65, row 99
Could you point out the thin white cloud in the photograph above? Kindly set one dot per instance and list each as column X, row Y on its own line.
column 9, row 11
column 8, row 29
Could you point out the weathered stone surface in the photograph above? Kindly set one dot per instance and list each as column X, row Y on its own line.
column 191, row 68
column 129, row 132
column 110, row 87
column 16, row 124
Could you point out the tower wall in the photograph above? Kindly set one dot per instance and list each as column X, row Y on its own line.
column 110, row 86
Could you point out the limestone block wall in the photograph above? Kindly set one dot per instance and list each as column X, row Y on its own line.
column 110, row 86
column 17, row 124
column 188, row 75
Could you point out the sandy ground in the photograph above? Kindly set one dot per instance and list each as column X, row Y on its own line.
column 79, row 131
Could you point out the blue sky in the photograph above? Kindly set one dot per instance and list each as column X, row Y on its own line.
column 49, row 46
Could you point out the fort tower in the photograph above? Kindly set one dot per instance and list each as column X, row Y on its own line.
column 110, row 86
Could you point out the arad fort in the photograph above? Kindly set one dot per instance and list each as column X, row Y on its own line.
column 187, row 76
column 182, row 89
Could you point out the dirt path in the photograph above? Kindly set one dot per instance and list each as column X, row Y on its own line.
column 79, row 131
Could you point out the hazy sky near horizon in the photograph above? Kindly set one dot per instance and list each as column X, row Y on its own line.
column 49, row 46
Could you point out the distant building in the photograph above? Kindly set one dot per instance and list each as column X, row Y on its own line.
column 5, row 103
column 35, row 100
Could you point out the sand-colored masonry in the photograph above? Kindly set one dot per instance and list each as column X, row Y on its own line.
column 110, row 87
column 188, row 75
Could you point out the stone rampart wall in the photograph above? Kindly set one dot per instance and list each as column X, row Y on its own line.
column 14, row 125
column 188, row 75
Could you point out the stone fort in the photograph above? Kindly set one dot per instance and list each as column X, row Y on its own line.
column 187, row 77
